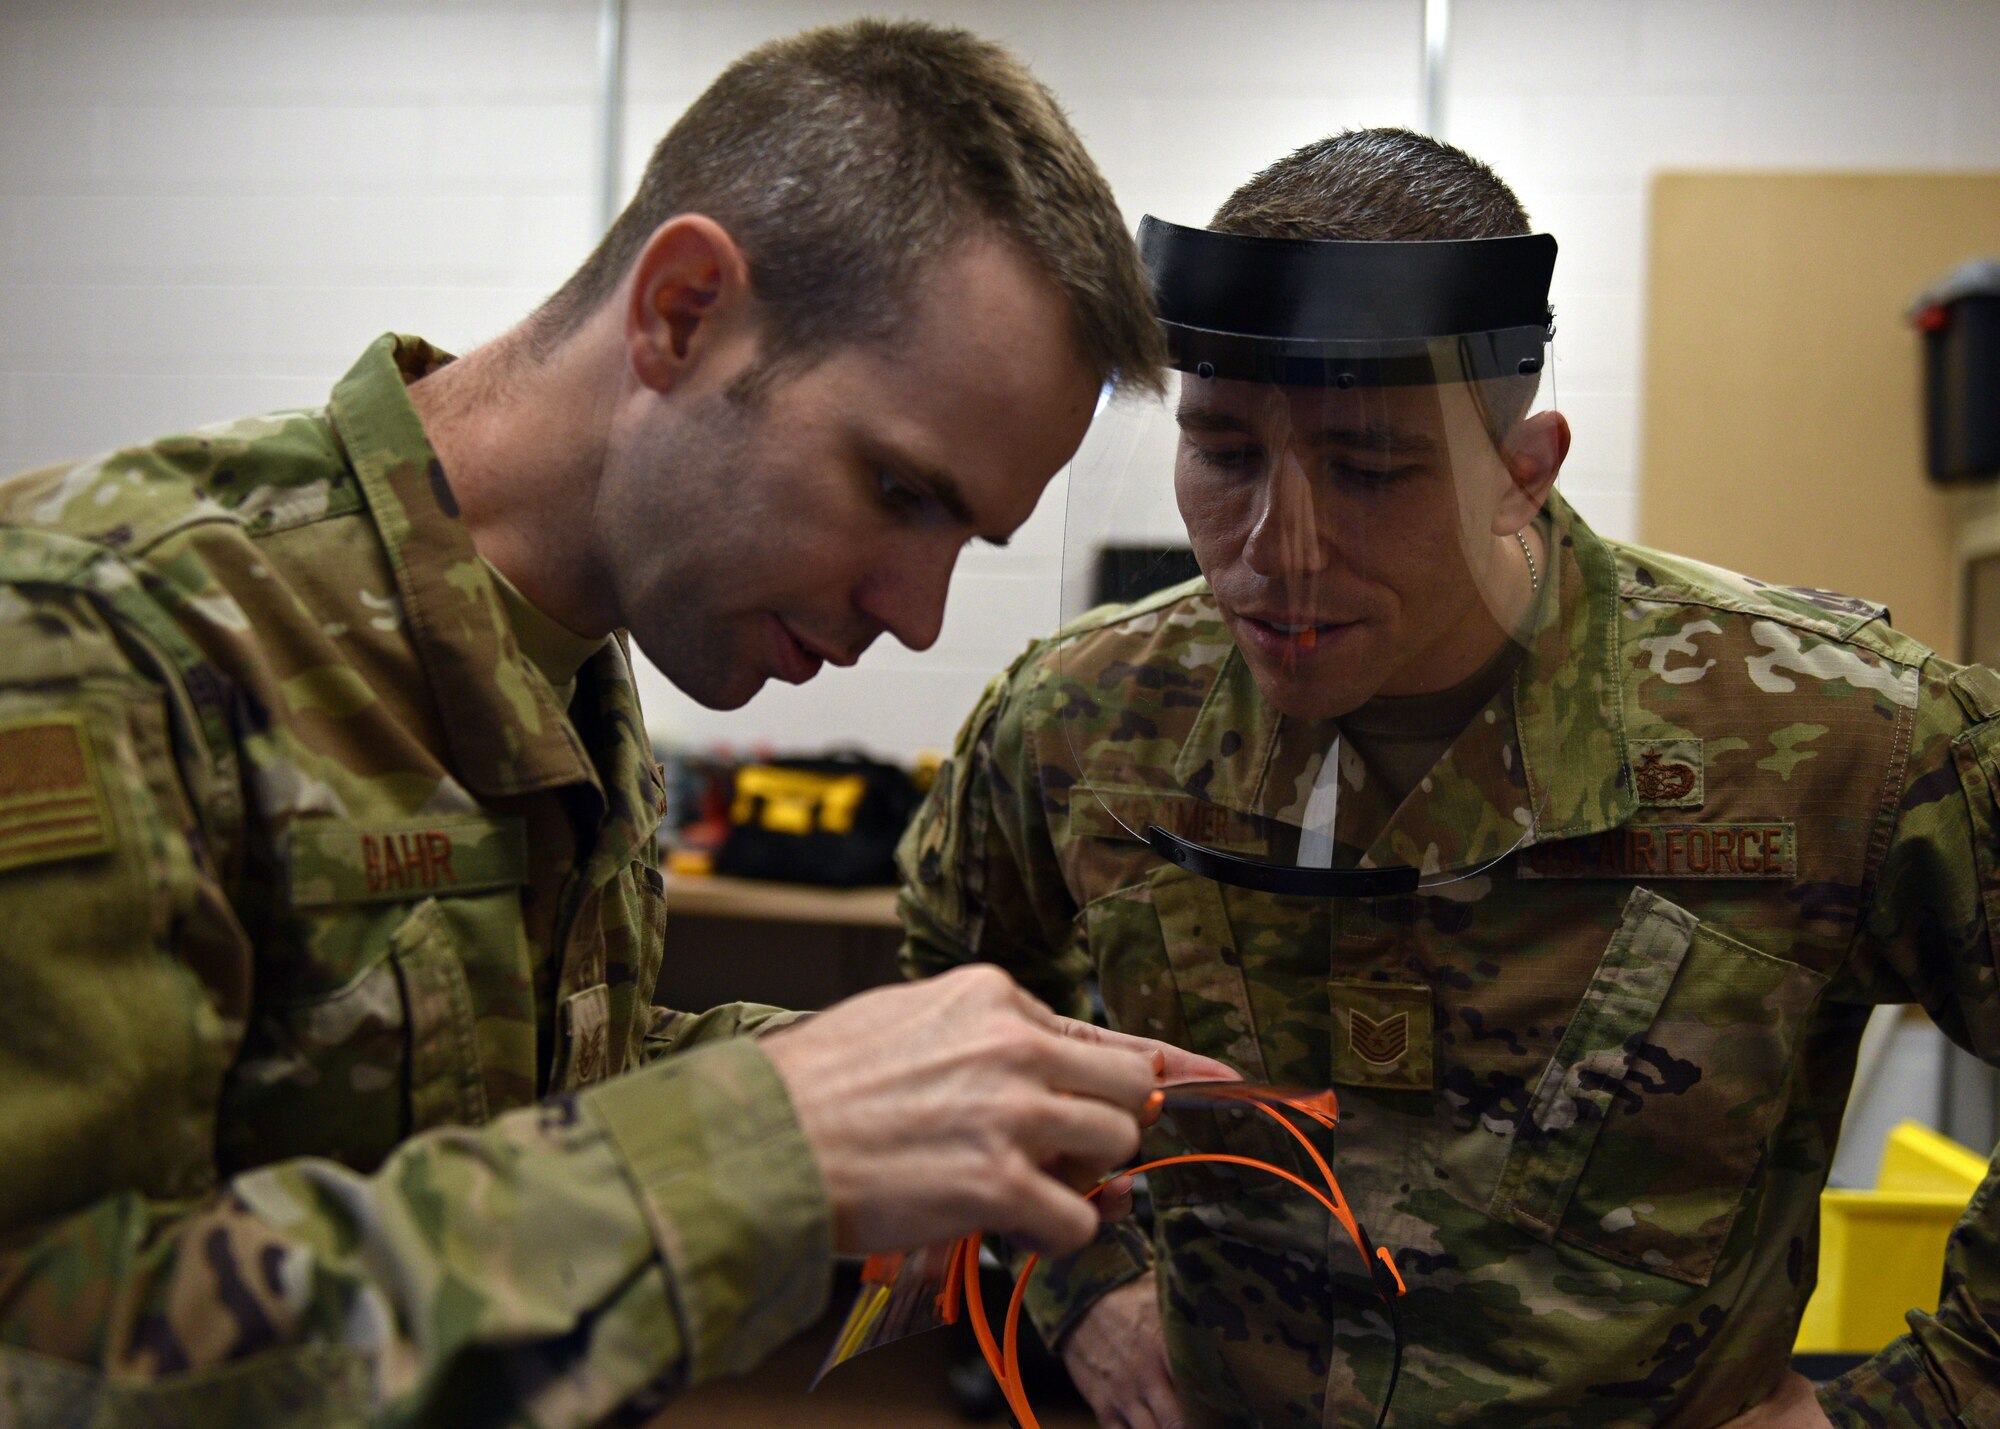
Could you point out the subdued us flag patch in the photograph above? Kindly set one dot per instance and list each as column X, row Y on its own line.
column 51, row 799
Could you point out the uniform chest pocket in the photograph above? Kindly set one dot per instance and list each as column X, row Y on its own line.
column 1653, row 1115
column 1170, row 966
column 379, row 1011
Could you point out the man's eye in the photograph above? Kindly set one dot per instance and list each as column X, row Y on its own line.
column 1231, row 458
column 895, row 495
column 1360, row 474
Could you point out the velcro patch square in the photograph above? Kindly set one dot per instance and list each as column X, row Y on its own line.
column 586, row 1034
column 1667, row 773
column 52, row 803
column 1382, row 1035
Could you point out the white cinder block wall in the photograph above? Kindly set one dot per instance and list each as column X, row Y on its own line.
column 208, row 206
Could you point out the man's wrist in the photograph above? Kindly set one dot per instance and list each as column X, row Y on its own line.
column 1062, row 1291
column 732, row 1193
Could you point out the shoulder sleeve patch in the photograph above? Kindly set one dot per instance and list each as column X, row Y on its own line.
column 52, row 802
column 1978, row 691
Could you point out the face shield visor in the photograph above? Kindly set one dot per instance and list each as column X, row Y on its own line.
column 1355, row 446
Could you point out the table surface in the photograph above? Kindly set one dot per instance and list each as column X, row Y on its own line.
column 713, row 895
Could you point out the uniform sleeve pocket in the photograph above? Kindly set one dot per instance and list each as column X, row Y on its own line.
column 1652, row 1117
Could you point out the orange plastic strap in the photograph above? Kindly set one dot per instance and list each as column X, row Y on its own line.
column 1004, row 1358
column 1005, row 1361
column 975, row 1303
column 1338, row 1206
column 948, row 1297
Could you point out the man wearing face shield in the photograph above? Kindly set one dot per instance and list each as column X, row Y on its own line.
column 1573, row 868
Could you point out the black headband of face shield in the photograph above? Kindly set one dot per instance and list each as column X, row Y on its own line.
column 1334, row 312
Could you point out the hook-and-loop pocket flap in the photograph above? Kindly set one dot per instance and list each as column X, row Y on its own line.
column 446, row 1087
column 1650, row 1121
column 1554, row 1136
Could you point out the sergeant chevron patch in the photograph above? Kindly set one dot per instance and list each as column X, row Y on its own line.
column 1382, row 1034
column 51, row 800
column 1379, row 1044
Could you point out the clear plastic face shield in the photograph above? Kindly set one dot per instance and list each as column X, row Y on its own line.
column 1356, row 447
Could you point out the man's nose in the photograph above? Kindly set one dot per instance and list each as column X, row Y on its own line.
column 1285, row 536
column 906, row 596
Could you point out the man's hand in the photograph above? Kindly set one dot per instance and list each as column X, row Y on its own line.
column 1792, row 1405
column 1117, row 1358
column 1171, row 1065
column 962, row 1104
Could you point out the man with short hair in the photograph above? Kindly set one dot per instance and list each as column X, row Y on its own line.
column 330, row 1090
column 1575, row 869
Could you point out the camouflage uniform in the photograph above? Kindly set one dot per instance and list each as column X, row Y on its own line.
column 1590, row 1096
column 312, row 888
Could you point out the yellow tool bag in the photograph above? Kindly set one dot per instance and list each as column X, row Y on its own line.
column 834, row 820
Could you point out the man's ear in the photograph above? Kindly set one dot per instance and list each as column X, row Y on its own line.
column 1533, row 455
column 689, row 294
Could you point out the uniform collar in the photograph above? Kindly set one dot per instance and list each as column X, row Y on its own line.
column 634, row 795
column 1568, row 697
column 507, row 734
column 549, row 645
column 1547, row 752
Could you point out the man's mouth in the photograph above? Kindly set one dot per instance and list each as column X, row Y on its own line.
column 797, row 661
column 814, row 653
column 1292, row 639
column 1292, row 625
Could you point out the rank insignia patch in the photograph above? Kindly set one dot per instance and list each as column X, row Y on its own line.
column 51, row 799
column 1667, row 773
column 1379, row 1044
column 1382, row 1034
column 587, row 1016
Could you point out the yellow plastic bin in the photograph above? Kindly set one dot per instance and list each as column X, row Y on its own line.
column 1881, row 1252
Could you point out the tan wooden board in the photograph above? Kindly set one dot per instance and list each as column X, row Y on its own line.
column 1782, row 432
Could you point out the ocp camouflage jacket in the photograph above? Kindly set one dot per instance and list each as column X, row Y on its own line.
column 1589, row 1096
column 330, row 937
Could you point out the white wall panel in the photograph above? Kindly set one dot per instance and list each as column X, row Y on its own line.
column 1571, row 46
column 1721, row 46
column 1604, row 447
column 273, row 148
column 1607, row 508
column 206, row 207
column 116, row 409
column 41, row 324
column 538, row 147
